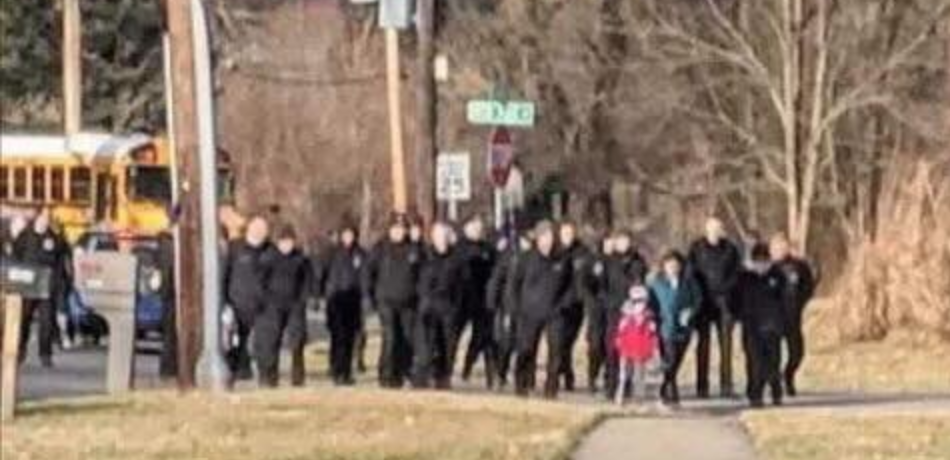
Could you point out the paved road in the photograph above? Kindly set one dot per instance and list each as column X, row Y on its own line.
column 690, row 438
column 81, row 371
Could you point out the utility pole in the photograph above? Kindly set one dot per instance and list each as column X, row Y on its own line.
column 426, row 99
column 72, row 67
column 397, row 149
column 179, row 20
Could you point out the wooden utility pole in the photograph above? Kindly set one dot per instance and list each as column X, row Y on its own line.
column 426, row 99
column 72, row 67
column 182, row 89
column 400, row 194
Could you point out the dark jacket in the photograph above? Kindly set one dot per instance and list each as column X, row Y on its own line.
column 479, row 260
column 288, row 278
column 760, row 301
column 716, row 267
column 540, row 285
column 46, row 249
column 244, row 274
column 581, row 261
column 799, row 284
column 440, row 282
column 340, row 271
column 392, row 272
column 620, row 272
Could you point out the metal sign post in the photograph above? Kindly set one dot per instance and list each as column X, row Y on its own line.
column 212, row 370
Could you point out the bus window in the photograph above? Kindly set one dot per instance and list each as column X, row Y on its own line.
column 19, row 183
column 150, row 183
column 4, row 182
column 57, row 178
column 80, row 184
column 39, row 184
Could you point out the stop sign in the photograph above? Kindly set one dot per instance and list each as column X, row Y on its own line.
column 501, row 154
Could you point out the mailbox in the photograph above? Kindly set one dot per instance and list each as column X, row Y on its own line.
column 107, row 282
column 29, row 281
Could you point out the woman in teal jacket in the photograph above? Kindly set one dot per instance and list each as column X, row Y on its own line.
column 678, row 297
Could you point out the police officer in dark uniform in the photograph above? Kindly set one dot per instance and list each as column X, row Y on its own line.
column 39, row 244
column 597, row 324
column 503, row 303
column 541, row 283
column 716, row 262
column 580, row 259
column 287, row 286
column 390, row 282
column 761, row 308
column 440, row 297
column 339, row 284
column 799, row 287
column 478, row 255
column 624, row 268
column 244, row 276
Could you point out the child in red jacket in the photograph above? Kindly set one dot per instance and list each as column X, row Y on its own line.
column 636, row 341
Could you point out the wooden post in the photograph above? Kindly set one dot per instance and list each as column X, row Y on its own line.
column 72, row 67
column 426, row 99
column 395, row 121
column 12, row 316
column 186, row 148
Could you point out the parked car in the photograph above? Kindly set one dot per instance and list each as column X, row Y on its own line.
column 150, row 298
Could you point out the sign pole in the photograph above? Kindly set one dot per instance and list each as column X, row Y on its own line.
column 453, row 210
column 12, row 316
column 395, row 121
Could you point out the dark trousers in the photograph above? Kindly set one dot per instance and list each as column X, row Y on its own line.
column 571, row 322
column 530, row 329
column 44, row 312
column 433, row 361
column 481, row 342
column 597, row 345
column 398, row 321
column 344, row 322
column 505, row 336
column 763, row 352
column 239, row 355
column 719, row 313
column 795, row 341
column 168, row 362
column 277, row 322
column 674, row 350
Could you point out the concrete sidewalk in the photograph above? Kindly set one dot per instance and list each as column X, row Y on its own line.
column 669, row 438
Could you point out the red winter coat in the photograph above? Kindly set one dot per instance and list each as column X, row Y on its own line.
column 636, row 338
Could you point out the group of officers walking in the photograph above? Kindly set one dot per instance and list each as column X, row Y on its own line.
column 428, row 285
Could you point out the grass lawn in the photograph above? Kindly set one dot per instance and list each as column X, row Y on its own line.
column 286, row 424
column 794, row 435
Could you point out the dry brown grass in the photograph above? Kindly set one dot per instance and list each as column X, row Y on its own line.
column 793, row 435
column 307, row 424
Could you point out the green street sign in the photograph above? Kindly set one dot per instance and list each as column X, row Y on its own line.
column 501, row 113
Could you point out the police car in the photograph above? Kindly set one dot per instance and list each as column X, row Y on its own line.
column 152, row 286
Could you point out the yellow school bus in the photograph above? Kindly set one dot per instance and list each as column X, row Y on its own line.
column 118, row 183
